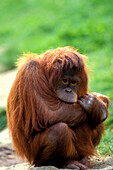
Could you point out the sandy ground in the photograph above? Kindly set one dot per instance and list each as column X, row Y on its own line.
column 6, row 81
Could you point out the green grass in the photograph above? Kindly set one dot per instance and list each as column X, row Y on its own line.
column 40, row 25
column 106, row 145
column 3, row 119
column 36, row 26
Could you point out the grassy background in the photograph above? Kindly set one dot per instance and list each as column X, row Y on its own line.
column 36, row 26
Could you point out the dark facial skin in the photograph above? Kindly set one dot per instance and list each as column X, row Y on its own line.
column 68, row 86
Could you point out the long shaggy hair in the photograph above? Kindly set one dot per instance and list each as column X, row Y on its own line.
column 33, row 97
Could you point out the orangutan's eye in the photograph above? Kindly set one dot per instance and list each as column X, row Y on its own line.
column 65, row 81
column 74, row 83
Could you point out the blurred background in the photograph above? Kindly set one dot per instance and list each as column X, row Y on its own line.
column 37, row 25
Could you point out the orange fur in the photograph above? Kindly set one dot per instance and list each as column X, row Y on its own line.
column 44, row 129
